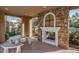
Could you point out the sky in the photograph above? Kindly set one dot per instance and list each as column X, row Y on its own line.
column 72, row 12
column 13, row 18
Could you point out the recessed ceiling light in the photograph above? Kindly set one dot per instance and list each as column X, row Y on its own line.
column 44, row 6
column 6, row 9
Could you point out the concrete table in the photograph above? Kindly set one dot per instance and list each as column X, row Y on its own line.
column 8, row 46
column 29, row 40
column 26, row 38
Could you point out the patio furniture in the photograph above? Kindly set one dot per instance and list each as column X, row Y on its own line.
column 26, row 38
column 29, row 40
column 8, row 46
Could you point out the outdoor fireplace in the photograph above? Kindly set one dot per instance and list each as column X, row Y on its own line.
column 50, row 34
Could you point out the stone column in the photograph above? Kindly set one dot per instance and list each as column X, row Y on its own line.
column 40, row 18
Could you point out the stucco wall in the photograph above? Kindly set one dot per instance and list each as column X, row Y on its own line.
column 2, row 27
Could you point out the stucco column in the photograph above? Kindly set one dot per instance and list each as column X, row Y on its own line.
column 2, row 27
column 25, row 25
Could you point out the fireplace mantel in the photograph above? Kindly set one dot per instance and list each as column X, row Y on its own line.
column 50, row 29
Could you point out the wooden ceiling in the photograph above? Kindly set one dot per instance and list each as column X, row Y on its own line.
column 25, row 10
column 28, row 10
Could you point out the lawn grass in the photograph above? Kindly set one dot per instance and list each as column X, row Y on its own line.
column 73, row 30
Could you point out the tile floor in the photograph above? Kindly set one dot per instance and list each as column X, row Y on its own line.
column 39, row 47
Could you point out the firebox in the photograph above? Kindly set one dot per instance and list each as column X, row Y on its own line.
column 50, row 36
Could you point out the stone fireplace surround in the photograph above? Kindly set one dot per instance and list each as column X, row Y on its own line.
column 50, row 29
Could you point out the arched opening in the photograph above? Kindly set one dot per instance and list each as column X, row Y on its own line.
column 50, row 19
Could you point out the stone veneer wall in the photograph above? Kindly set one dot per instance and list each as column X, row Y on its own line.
column 61, row 21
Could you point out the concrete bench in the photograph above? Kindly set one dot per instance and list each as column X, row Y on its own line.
column 10, row 46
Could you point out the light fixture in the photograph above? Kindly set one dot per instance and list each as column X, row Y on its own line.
column 6, row 9
column 44, row 6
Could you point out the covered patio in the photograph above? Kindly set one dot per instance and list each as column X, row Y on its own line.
column 51, row 20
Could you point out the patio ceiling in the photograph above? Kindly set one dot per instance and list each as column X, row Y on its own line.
column 25, row 10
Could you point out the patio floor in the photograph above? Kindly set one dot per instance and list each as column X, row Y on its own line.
column 39, row 47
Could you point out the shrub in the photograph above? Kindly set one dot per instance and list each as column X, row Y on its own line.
column 74, row 38
column 11, row 33
column 6, row 36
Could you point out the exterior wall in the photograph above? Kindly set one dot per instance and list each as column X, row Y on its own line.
column 25, row 21
column 2, row 27
column 61, row 21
